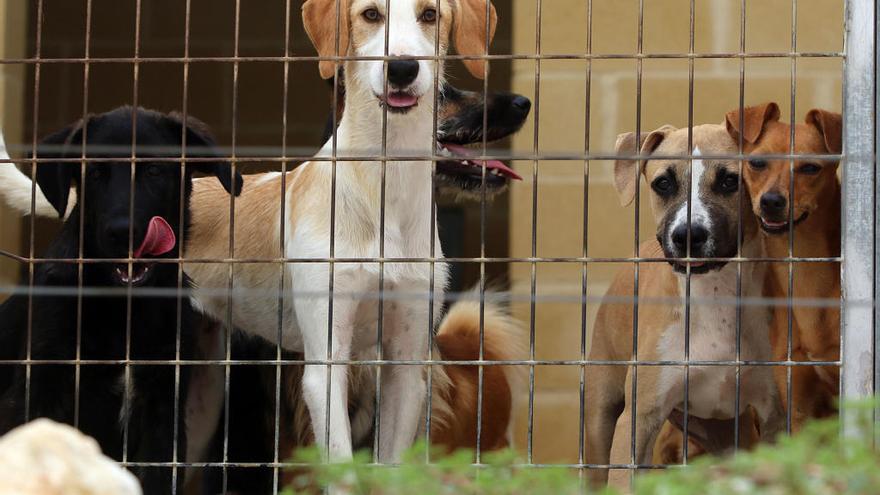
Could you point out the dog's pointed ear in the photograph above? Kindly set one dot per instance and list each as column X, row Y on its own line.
column 754, row 119
column 56, row 178
column 320, row 20
column 469, row 32
column 625, row 179
column 200, row 144
column 830, row 126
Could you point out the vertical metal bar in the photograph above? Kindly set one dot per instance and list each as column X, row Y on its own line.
column 687, row 301
column 382, row 197
column 181, row 252
column 331, row 267
column 636, row 240
column 433, row 232
column 857, row 272
column 741, row 204
column 231, row 273
column 790, row 263
column 534, row 253
column 82, row 202
column 585, row 249
column 276, row 427
column 32, row 235
column 482, row 289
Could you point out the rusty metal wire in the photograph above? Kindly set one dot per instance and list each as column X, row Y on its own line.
column 859, row 300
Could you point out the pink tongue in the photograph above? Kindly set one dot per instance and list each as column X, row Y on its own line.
column 490, row 164
column 401, row 100
column 159, row 239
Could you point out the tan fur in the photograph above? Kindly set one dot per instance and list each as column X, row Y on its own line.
column 470, row 35
column 326, row 36
column 815, row 331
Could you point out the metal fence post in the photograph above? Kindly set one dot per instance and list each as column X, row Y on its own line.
column 857, row 272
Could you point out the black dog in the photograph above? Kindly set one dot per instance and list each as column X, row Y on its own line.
column 130, row 410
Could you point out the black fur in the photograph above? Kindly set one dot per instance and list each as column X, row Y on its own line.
column 110, row 329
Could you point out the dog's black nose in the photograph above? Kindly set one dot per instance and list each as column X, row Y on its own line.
column 699, row 236
column 773, row 203
column 522, row 104
column 118, row 231
column 401, row 73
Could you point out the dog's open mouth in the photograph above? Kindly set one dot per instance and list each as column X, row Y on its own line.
column 140, row 274
column 468, row 171
column 159, row 240
column 399, row 101
column 780, row 227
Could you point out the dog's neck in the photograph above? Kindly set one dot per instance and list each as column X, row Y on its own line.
column 361, row 134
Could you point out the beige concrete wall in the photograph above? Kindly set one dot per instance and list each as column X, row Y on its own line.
column 13, row 27
column 562, row 124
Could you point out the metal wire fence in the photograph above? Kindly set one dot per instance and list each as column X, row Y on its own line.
column 858, row 227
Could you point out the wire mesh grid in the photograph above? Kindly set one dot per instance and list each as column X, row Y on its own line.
column 857, row 179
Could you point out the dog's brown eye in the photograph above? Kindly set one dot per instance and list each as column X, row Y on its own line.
column 809, row 169
column 429, row 15
column 758, row 164
column 372, row 15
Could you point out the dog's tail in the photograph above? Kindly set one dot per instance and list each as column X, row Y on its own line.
column 16, row 188
column 455, row 405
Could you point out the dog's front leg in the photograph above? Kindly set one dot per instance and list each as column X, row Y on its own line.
column 403, row 386
column 327, row 386
column 768, row 404
column 650, row 410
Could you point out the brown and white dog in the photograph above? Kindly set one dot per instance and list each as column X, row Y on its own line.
column 813, row 204
column 334, row 313
column 697, row 212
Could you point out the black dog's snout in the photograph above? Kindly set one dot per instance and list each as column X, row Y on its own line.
column 118, row 231
column 402, row 73
column 773, row 203
column 699, row 236
column 522, row 104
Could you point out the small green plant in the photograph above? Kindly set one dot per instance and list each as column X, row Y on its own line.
column 818, row 461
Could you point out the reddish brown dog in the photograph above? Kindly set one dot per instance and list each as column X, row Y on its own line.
column 811, row 200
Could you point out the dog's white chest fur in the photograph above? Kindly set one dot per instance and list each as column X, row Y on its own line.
column 712, row 338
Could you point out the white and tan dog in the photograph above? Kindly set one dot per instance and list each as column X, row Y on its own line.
column 705, row 197
column 344, row 326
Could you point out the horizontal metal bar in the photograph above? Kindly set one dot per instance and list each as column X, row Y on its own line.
column 519, row 465
column 125, row 161
column 405, row 362
column 256, row 261
column 449, row 57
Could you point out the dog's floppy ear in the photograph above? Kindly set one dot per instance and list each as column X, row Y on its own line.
column 319, row 18
column 830, row 125
column 469, row 32
column 753, row 122
column 200, row 144
column 625, row 179
column 56, row 178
